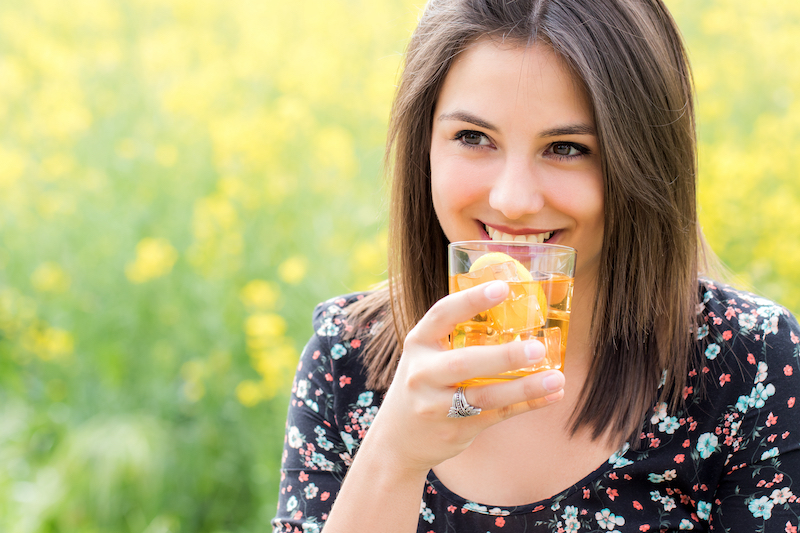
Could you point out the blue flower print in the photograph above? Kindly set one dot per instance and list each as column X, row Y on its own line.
column 365, row 399
column 655, row 478
column 761, row 508
column 426, row 513
column 707, row 444
column 337, row 351
column 702, row 332
column 669, row 425
column 761, row 393
column 712, row 351
column 328, row 328
column 703, row 510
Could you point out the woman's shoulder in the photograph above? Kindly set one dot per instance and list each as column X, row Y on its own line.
column 745, row 322
column 345, row 315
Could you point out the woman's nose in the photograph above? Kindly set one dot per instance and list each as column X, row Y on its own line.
column 516, row 191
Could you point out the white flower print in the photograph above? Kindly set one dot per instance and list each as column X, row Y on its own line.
column 302, row 388
column 311, row 491
column 685, row 525
column 761, row 375
column 608, row 520
column 660, row 413
column 291, row 504
column 294, row 437
column 328, row 328
column 746, row 322
column 779, row 497
column 702, row 332
column 769, row 454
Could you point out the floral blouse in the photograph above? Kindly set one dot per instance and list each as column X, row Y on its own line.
column 727, row 462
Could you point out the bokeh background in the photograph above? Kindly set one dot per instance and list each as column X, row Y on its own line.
column 182, row 180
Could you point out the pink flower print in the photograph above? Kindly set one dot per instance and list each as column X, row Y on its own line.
column 751, row 359
column 790, row 528
column 303, row 477
column 795, row 338
column 723, row 379
column 727, row 334
column 730, row 313
column 771, row 419
column 344, row 380
column 717, row 321
column 324, row 496
column 787, row 370
column 500, row 521
column 611, row 493
column 790, row 403
column 638, row 506
column 679, row 458
column 355, row 343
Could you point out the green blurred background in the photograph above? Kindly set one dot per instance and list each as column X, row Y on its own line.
column 182, row 180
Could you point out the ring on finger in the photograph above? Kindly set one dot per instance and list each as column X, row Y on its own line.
column 461, row 408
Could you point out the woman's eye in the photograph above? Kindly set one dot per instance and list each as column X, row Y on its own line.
column 564, row 149
column 472, row 138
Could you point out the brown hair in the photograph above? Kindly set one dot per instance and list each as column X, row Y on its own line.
column 629, row 56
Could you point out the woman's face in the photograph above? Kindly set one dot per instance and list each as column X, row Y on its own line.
column 514, row 153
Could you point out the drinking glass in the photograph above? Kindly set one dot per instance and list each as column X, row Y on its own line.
column 540, row 279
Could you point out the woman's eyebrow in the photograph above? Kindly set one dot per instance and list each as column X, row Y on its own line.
column 570, row 129
column 464, row 116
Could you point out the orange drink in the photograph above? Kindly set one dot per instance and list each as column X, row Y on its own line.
column 540, row 279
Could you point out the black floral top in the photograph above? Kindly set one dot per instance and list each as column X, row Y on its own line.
column 728, row 462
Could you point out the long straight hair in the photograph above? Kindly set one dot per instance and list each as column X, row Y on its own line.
column 630, row 59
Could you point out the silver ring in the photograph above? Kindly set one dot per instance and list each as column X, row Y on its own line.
column 460, row 408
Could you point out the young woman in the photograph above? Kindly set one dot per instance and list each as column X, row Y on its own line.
column 570, row 122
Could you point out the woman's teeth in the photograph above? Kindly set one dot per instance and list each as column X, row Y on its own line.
column 533, row 238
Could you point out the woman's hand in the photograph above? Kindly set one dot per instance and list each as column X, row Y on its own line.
column 412, row 427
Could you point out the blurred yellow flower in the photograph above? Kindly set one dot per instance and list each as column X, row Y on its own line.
column 259, row 295
column 293, row 270
column 50, row 277
column 248, row 393
column 155, row 257
column 264, row 327
column 48, row 343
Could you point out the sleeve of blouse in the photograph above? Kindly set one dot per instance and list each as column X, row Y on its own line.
column 315, row 453
column 760, row 484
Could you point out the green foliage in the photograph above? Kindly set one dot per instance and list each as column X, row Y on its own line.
column 181, row 181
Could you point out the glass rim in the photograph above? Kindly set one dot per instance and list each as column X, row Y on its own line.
column 477, row 245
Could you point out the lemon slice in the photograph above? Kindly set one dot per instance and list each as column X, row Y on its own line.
column 496, row 258
column 513, row 314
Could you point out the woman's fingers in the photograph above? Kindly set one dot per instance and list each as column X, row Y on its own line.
column 477, row 361
column 442, row 318
column 522, row 394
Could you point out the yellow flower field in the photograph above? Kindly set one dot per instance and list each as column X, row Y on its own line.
column 182, row 181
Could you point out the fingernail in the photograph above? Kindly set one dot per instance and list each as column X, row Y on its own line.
column 553, row 382
column 534, row 351
column 495, row 290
